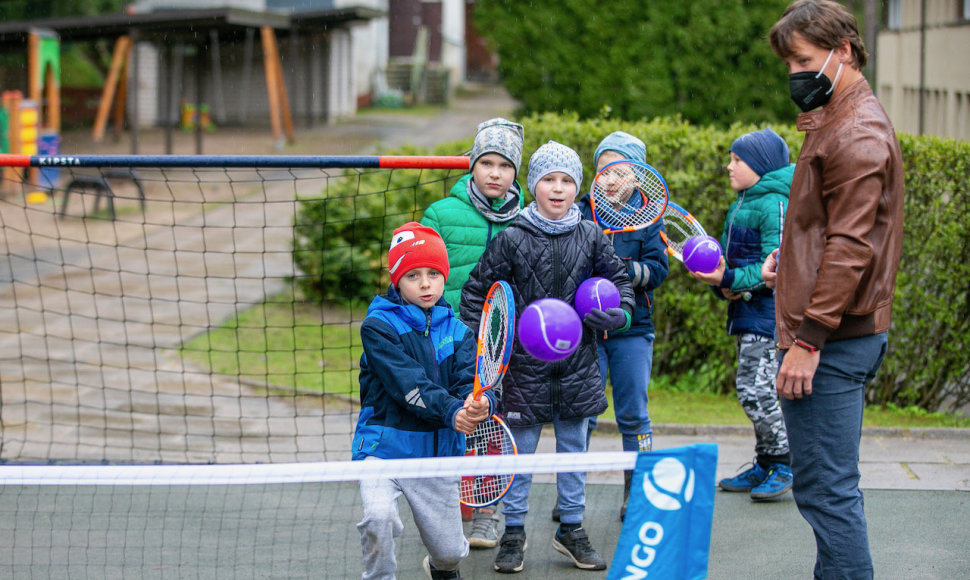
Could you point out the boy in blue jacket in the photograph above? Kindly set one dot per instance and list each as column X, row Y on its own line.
column 416, row 379
column 761, row 174
column 627, row 357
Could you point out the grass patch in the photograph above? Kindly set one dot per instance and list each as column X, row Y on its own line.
column 672, row 406
column 289, row 345
column 286, row 345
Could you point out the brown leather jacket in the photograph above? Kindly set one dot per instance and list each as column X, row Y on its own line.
column 844, row 227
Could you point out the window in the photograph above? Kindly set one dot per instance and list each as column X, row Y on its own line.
column 894, row 14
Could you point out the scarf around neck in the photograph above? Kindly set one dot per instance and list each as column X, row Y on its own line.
column 553, row 227
column 506, row 212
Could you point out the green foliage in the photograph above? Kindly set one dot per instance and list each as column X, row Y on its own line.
column 35, row 9
column 927, row 365
column 706, row 60
column 341, row 235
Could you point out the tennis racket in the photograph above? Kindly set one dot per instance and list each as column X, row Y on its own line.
column 681, row 226
column 628, row 195
column 496, row 331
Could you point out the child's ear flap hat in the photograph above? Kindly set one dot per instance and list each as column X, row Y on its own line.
column 416, row 246
column 500, row 136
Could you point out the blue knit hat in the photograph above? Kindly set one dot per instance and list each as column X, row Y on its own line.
column 623, row 143
column 553, row 157
column 764, row 151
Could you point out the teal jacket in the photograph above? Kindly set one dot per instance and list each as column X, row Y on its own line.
column 466, row 233
column 751, row 231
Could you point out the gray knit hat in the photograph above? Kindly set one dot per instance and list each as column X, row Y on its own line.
column 500, row 136
column 553, row 157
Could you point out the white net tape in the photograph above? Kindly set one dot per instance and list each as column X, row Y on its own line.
column 262, row 474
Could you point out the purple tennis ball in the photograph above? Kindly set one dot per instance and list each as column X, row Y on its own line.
column 549, row 329
column 596, row 293
column 702, row 254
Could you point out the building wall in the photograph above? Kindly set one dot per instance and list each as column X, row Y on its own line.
column 946, row 78
column 320, row 80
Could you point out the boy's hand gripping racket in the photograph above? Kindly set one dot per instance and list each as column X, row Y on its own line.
column 628, row 195
column 496, row 332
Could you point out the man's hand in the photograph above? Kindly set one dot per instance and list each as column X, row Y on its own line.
column 796, row 373
column 769, row 270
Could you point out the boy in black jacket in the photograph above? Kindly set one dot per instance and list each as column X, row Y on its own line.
column 547, row 252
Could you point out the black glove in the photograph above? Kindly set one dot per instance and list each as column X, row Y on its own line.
column 611, row 319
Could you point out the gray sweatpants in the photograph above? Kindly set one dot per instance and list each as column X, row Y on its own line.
column 434, row 505
column 757, row 370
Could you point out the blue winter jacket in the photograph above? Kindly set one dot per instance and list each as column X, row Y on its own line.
column 415, row 373
column 752, row 230
column 647, row 248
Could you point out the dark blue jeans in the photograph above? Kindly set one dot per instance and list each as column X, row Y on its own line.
column 824, row 431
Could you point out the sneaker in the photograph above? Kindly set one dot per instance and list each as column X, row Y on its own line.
column 576, row 545
column 778, row 481
column 744, row 481
column 555, row 512
column 436, row 574
column 511, row 553
column 484, row 529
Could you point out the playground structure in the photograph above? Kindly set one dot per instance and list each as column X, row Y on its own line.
column 32, row 126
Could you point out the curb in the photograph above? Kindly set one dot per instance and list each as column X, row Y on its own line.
column 927, row 433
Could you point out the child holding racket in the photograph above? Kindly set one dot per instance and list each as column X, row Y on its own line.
column 761, row 174
column 627, row 356
column 547, row 251
column 479, row 206
column 416, row 381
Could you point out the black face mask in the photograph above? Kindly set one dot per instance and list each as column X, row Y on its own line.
column 810, row 90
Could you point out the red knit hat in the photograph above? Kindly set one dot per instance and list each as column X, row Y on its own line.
column 415, row 246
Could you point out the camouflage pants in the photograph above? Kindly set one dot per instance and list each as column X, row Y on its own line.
column 757, row 369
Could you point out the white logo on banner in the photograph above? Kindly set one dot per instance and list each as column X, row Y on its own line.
column 669, row 486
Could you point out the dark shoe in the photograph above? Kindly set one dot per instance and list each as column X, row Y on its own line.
column 627, row 480
column 484, row 529
column 555, row 511
column 576, row 545
column 436, row 574
column 779, row 481
column 744, row 481
column 511, row 553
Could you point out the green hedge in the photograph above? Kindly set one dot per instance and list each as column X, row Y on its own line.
column 927, row 364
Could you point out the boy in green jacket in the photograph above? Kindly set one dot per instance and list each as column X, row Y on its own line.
column 478, row 207
column 761, row 174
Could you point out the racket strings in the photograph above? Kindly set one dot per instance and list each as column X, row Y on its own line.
column 489, row 438
column 680, row 226
column 494, row 336
column 628, row 195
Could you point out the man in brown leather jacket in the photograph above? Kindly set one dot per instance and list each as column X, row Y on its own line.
column 835, row 274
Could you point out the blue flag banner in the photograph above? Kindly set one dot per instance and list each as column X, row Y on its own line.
column 667, row 529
